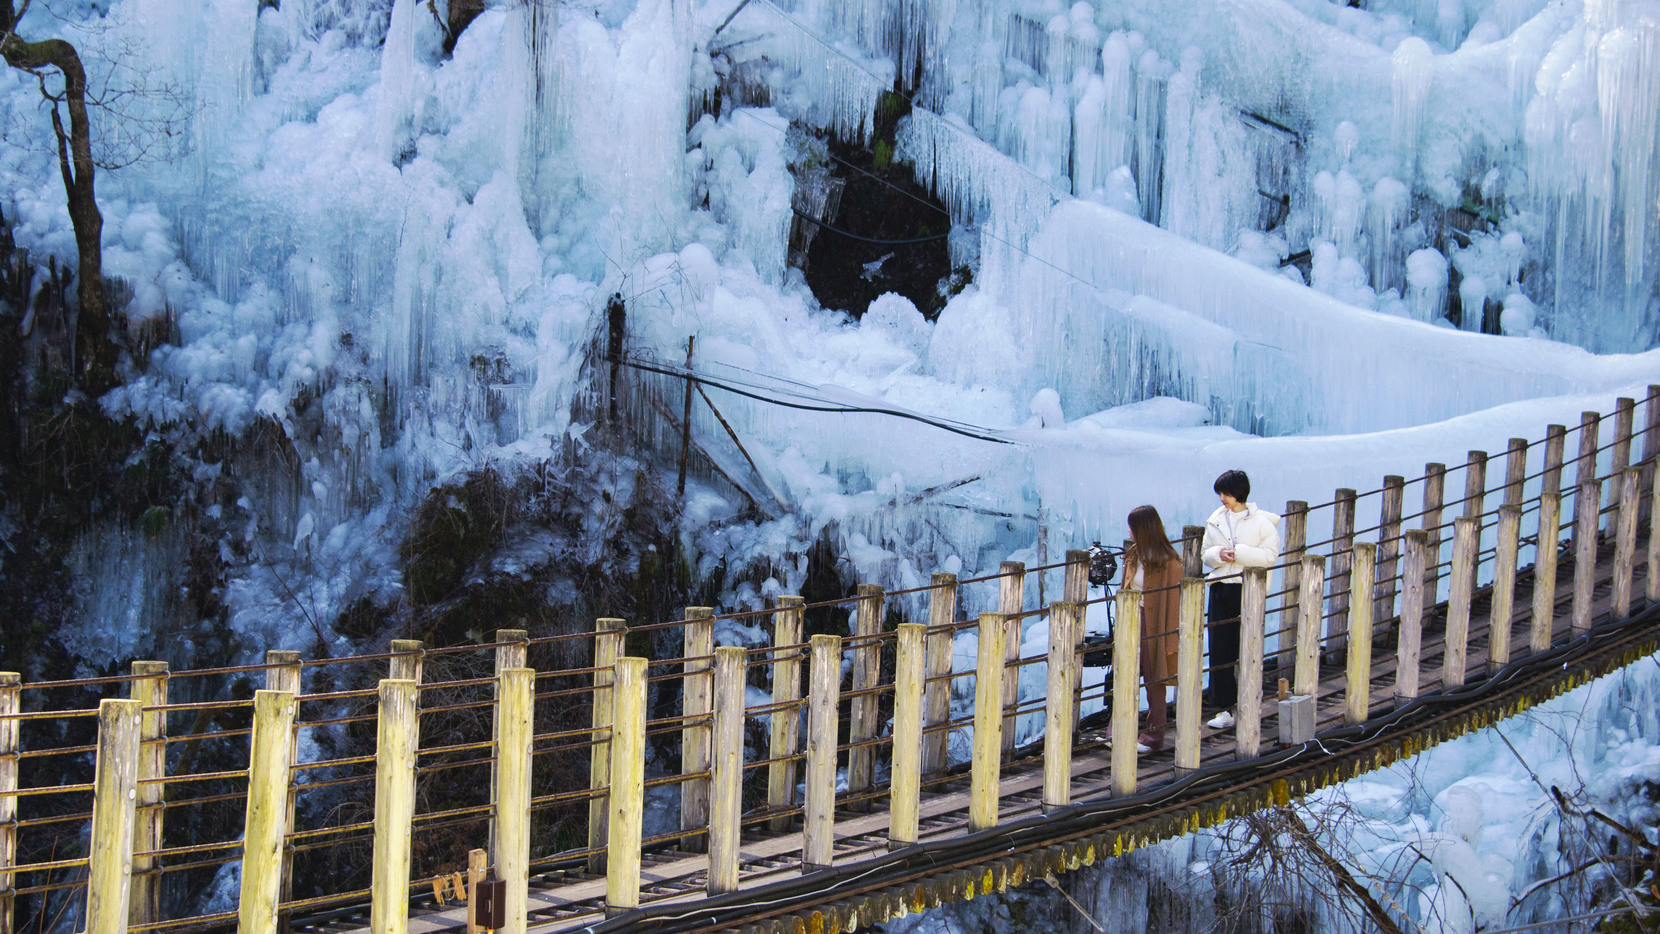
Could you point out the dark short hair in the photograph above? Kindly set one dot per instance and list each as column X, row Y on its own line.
column 1235, row 484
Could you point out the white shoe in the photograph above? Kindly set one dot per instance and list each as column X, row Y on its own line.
column 1143, row 747
column 1221, row 721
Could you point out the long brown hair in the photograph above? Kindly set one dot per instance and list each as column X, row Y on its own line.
column 1152, row 545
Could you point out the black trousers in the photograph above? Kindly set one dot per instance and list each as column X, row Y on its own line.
column 1223, row 616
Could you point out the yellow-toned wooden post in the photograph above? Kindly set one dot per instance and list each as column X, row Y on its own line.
column 818, row 837
column 1011, row 603
column 1587, row 509
column 284, row 675
column 515, row 716
column 726, row 801
column 986, row 777
column 1651, row 569
column 1076, row 592
column 785, row 722
column 609, row 633
column 1253, row 622
column 1357, row 685
column 1515, row 470
column 627, row 805
column 695, row 707
column 1435, row 490
column 1126, row 689
column 1190, row 653
column 397, row 736
column 270, row 760
column 905, row 787
column 1585, row 465
column 1625, row 540
column 1414, row 600
column 1389, row 550
column 1544, row 570
column 11, row 691
column 1065, row 619
column 936, row 694
column 1556, row 443
column 149, row 687
column 1504, row 585
column 1466, row 545
column 1307, row 674
column 1193, row 552
column 1341, row 578
column 478, row 866
column 114, row 796
column 1296, row 539
column 405, row 663
column 866, row 707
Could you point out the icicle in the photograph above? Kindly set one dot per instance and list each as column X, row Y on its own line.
column 1346, row 137
column 1426, row 280
column 1472, row 297
column 1414, row 68
column 1151, row 77
column 1386, row 211
column 396, row 105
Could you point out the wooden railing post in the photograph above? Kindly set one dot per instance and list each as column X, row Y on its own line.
column 905, row 784
column 936, row 695
column 1011, row 603
column 270, row 760
column 1625, row 415
column 1590, row 424
column 1312, row 606
column 1435, row 489
column 627, row 803
column 865, row 708
column 1515, row 471
column 695, row 693
column 1126, row 689
column 114, row 800
column 1389, row 549
column 818, row 837
column 11, row 692
column 726, row 805
column 1357, row 685
column 1296, row 539
column 1651, row 445
column 284, row 675
column 1193, row 551
column 405, row 663
column 1076, row 592
column 609, row 633
column 149, row 688
column 1475, row 484
column 1253, row 614
column 1466, row 544
column 987, row 768
column 1342, row 577
column 510, row 653
column 1544, row 570
column 1556, row 442
column 1587, row 516
column 396, row 739
column 1651, row 569
column 1190, row 652
column 1625, row 540
column 784, row 726
column 515, row 719
column 1065, row 620
column 1504, row 586
column 1413, row 595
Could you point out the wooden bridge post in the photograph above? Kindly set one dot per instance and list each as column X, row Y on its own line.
column 905, row 784
column 397, row 736
column 284, row 675
column 1589, row 429
column 936, row 694
column 266, row 822
column 609, row 633
column 1193, row 551
column 1435, row 490
column 1312, row 606
column 1651, row 568
column 149, row 688
column 1389, row 549
column 1544, row 569
column 1076, row 592
column 990, row 672
column 1190, row 651
column 1556, row 442
column 1587, row 516
column 1126, row 689
column 695, row 693
column 515, row 720
column 785, row 722
column 1625, row 540
column 1357, row 685
column 1065, row 622
column 1475, row 501
column 11, row 692
column 1413, row 602
column 867, row 676
column 510, row 653
column 405, row 663
column 1466, row 549
column 1625, row 416
column 1504, row 586
column 1515, row 471
column 726, row 806
column 1011, row 603
column 1253, row 621
column 818, row 829
column 1651, row 447
column 1296, row 539
column 627, row 803
column 114, row 800
column 1342, row 577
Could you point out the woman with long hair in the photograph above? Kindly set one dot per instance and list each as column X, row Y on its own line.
column 1152, row 566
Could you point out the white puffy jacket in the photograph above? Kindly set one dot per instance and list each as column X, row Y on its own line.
column 1255, row 541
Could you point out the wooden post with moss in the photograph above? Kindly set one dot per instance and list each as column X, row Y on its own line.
column 515, row 719
column 1189, row 672
column 397, row 736
column 1011, row 604
column 266, row 821
column 1544, row 570
column 1414, row 600
column 726, row 804
column 608, row 647
column 936, row 693
column 627, row 802
column 818, row 836
column 785, row 722
column 1504, row 586
column 866, row 707
column 283, row 674
column 1065, row 619
column 114, row 800
column 696, row 705
column 149, row 688
column 11, row 691
column 905, row 784
column 985, row 778
column 1253, row 622
column 1625, row 540
column 1466, row 548
column 1357, row 682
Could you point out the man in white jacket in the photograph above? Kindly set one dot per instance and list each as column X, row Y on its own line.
column 1238, row 535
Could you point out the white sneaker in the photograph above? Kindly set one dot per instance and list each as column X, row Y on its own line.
column 1221, row 721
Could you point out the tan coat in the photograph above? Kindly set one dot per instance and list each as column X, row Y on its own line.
column 1160, row 615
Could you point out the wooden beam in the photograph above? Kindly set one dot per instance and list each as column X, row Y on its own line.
column 1586, row 464
column 1076, row 592
column 905, row 783
column 1126, row 690
column 1413, row 602
column 1466, row 544
column 609, row 634
column 818, row 834
column 1296, row 539
column 1065, row 619
column 784, row 725
column 405, row 663
column 510, row 653
column 726, row 805
column 1587, row 516
column 1389, row 550
column 114, row 797
column 1475, row 484
column 149, row 687
column 695, row 706
column 1515, row 471
column 265, row 822
column 1625, row 540
column 1190, row 651
column 1504, row 586
column 1556, row 442
column 1544, row 569
column 1342, row 579
column 515, row 718
column 1193, row 551
column 11, row 693
column 1011, row 603
column 986, row 768
column 1435, row 488
column 284, row 675
column 627, row 808
column 397, row 736
column 1312, row 606
column 866, row 707
column 1252, row 624
column 1357, row 685
column 936, row 704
